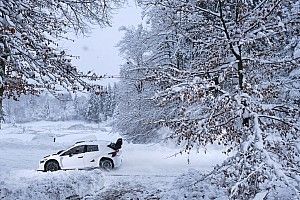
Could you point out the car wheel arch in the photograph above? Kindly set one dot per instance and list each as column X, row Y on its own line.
column 51, row 160
column 106, row 158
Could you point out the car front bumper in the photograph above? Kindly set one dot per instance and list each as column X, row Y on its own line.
column 41, row 166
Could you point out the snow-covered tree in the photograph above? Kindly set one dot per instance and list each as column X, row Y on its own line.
column 80, row 105
column 29, row 56
column 109, row 103
column 234, row 66
column 94, row 108
column 101, row 106
column 136, row 111
column 42, row 107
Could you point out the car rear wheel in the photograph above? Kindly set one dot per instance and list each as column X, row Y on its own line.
column 51, row 166
column 106, row 164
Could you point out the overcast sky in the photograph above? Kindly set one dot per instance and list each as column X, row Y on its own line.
column 98, row 51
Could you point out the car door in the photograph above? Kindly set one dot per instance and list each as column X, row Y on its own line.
column 91, row 156
column 73, row 158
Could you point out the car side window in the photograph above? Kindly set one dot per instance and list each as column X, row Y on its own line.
column 91, row 148
column 75, row 150
column 79, row 149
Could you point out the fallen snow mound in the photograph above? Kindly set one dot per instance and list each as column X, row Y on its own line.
column 53, row 185
column 128, row 190
column 79, row 127
column 187, row 186
column 43, row 138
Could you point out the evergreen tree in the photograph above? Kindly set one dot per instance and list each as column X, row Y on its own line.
column 94, row 108
column 44, row 107
column 80, row 105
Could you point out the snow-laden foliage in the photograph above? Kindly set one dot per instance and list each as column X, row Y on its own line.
column 55, row 185
column 101, row 106
column 194, row 185
column 186, row 187
column 43, row 107
column 95, row 108
column 230, row 70
column 29, row 57
column 135, row 109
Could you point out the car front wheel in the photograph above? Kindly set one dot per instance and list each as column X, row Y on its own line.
column 51, row 166
column 106, row 164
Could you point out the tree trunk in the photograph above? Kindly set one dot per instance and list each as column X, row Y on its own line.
column 240, row 72
column 238, row 55
column 3, row 59
column 2, row 73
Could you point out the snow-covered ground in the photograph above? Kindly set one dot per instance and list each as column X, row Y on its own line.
column 145, row 167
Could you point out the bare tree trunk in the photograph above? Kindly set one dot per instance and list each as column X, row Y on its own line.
column 2, row 73
column 240, row 69
column 3, row 59
column 237, row 55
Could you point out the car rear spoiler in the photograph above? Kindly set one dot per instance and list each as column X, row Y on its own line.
column 116, row 146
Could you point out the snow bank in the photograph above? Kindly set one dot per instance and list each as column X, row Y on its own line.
column 33, row 185
column 79, row 127
column 128, row 190
column 43, row 138
column 186, row 186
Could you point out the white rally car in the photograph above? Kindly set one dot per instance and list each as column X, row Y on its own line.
column 83, row 155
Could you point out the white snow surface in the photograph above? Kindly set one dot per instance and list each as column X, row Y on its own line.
column 148, row 168
column 297, row 51
column 25, row 184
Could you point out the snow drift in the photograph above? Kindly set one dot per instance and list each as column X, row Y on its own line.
column 55, row 185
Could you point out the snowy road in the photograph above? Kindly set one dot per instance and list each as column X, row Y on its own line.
column 23, row 145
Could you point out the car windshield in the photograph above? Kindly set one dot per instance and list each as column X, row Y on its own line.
column 59, row 151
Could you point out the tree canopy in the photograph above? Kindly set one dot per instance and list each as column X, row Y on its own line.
column 230, row 70
column 30, row 58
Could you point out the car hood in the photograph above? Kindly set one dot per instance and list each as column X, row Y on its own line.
column 53, row 156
